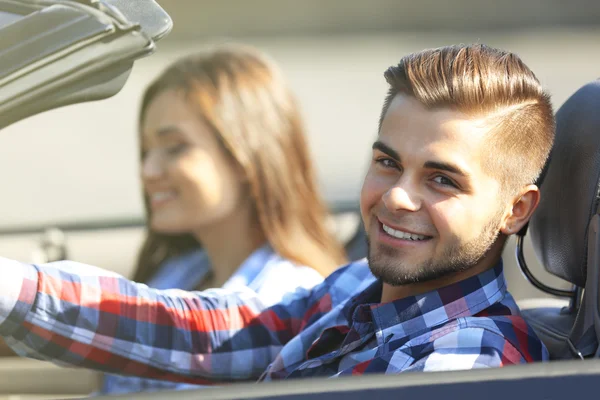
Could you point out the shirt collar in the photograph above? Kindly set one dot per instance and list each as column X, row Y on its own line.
column 415, row 313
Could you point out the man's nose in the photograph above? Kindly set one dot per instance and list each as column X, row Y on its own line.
column 152, row 166
column 404, row 195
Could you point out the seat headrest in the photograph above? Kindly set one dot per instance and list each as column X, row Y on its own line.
column 570, row 189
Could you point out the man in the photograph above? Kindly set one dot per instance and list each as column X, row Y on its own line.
column 463, row 136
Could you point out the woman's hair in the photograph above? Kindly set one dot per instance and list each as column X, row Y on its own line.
column 245, row 101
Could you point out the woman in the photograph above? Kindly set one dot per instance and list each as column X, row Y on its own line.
column 228, row 183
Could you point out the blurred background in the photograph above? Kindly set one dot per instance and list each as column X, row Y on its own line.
column 76, row 168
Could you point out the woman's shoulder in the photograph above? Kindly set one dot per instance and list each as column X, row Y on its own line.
column 284, row 276
column 272, row 276
column 288, row 272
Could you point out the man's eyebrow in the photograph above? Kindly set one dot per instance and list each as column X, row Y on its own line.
column 446, row 167
column 384, row 148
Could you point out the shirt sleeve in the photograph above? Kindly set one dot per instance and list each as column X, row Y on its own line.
column 79, row 315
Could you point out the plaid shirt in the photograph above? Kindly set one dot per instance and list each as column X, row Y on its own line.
column 80, row 315
column 264, row 271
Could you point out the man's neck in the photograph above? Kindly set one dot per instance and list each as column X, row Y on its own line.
column 391, row 293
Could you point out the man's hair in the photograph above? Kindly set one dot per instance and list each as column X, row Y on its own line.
column 483, row 82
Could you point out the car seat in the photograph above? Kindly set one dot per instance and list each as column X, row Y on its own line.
column 565, row 231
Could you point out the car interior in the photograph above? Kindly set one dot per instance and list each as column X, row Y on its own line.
column 84, row 50
column 564, row 230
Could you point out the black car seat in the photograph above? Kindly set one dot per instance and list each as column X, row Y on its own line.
column 564, row 231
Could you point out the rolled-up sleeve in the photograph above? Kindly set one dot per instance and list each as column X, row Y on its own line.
column 18, row 286
column 79, row 315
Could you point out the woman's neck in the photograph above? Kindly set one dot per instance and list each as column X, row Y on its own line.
column 229, row 242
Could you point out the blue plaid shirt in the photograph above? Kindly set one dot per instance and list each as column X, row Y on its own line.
column 83, row 316
column 264, row 271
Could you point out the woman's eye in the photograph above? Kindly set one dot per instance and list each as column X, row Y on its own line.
column 175, row 150
column 442, row 180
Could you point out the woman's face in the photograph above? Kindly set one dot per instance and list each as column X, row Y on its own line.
column 190, row 181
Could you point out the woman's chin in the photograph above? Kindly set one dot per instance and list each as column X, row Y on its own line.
column 169, row 227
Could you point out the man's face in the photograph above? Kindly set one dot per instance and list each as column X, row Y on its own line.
column 428, row 206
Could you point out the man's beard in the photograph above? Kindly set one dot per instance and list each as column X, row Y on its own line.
column 458, row 257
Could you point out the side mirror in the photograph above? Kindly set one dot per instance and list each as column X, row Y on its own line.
column 59, row 52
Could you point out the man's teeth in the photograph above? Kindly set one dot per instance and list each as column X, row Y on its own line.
column 402, row 235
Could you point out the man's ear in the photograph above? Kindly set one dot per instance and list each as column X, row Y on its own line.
column 523, row 206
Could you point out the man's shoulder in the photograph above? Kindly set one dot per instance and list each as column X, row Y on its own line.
column 503, row 327
column 496, row 336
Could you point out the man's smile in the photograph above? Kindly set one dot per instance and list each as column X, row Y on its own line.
column 400, row 237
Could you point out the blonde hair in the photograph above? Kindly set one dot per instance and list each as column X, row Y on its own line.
column 244, row 99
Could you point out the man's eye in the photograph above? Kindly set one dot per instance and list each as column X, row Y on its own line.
column 442, row 180
column 386, row 163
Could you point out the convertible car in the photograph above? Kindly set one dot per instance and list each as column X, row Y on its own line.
column 59, row 52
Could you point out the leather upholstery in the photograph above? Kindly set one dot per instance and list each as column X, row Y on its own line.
column 569, row 191
column 551, row 322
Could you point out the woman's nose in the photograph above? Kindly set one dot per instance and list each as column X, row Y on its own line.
column 152, row 166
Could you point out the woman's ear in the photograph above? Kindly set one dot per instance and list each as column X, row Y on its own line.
column 523, row 206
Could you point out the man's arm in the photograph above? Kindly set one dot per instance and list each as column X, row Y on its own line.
column 80, row 315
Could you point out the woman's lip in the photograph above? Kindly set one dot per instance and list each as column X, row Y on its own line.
column 158, row 199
